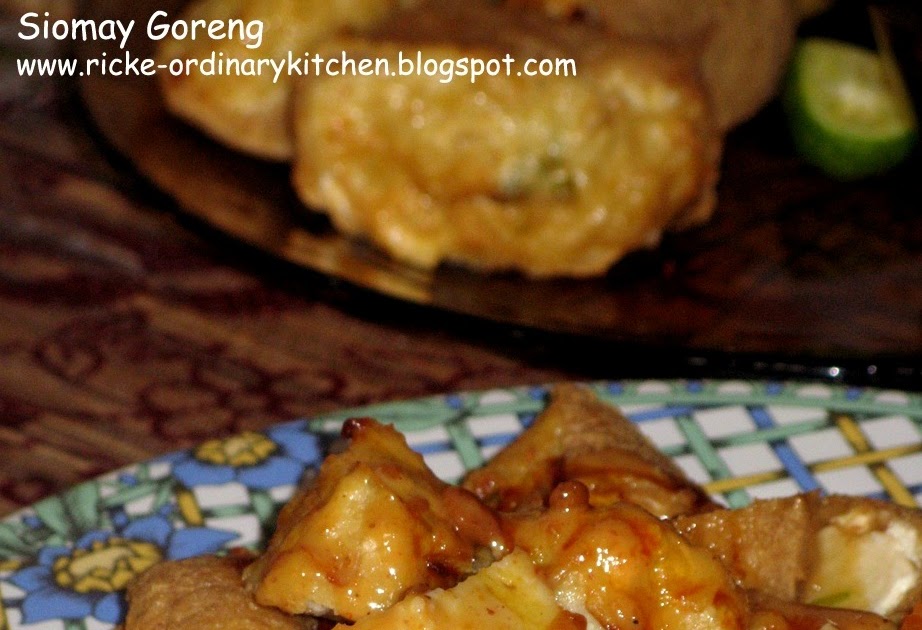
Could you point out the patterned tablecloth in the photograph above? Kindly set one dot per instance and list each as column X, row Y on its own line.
column 123, row 335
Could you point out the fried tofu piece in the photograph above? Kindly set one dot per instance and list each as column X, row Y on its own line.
column 838, row 551
column 547, row 175
column 623, row 568
column 867, row 556
column 764, row 543
column 744, row 44
column 253, row 113
column 201, row 592
column 578, row 437
column 375, row 525
column 507, row 595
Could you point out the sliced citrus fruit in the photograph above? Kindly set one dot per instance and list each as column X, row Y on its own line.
column 846, row 114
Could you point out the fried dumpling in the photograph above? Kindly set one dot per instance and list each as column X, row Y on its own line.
column 202, row 592
column 374, row 525
column 547, row 175
column 837, row 551
column 253, row 113
column 624, row 568
column 580, row 438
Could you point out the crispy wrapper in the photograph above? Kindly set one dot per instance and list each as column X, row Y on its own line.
column 579, row 438
column 840, row 551
column 202, row 592
column 554, row 175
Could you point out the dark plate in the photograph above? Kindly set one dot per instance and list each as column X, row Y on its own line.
column 794, row 265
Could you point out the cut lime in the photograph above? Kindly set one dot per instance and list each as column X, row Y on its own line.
column 847, row 115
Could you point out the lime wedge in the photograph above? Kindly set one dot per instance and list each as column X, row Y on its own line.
column 846, row 114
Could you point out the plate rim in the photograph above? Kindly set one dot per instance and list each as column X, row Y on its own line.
column 489, row 402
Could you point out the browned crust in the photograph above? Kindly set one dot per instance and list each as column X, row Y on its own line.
column 579, row 437
column 202, row 592
column 771, row 545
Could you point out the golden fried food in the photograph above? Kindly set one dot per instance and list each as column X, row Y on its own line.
column 623, row 568
column 774, row 566
column 549, row 175
column 744, row 44
column 253, row 113
column 375, row 525
column 203, row 592
column 580, row 438
column 847, row 552
column 377, row 540
column 507, row 595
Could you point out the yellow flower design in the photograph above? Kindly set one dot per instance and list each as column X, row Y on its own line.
column 105, row 566
column 246, row 449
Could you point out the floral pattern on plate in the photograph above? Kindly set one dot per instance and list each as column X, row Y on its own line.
column 65, row 561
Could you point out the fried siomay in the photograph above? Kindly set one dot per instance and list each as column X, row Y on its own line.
column 549, row 175
column 252, row 113
column 376, row 541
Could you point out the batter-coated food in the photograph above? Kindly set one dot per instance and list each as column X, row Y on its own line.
column 623, row 568
column 253, row 113
column 580, row 438
column 549, row 175
column 374, row 526
column 376, row 539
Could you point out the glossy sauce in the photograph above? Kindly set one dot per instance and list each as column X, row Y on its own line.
column 375, row 525
column 625, row 568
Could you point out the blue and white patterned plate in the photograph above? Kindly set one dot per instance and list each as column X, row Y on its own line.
column 65, row 561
